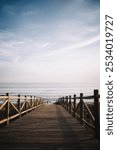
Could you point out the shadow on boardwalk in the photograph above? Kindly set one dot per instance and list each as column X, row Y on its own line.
column 49, row 127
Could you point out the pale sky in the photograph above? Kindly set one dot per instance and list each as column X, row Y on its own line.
column 49, row 41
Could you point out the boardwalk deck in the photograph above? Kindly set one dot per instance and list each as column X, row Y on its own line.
column 48, row 127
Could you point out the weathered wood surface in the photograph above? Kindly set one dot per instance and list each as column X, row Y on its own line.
column 48, row 127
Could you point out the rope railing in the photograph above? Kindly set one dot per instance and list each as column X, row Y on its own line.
column 80, row 108
column 12, row 106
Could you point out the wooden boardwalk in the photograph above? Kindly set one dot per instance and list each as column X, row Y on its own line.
column 48, row 127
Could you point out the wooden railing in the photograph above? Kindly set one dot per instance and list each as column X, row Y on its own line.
column 87, row 112
column 15, row 106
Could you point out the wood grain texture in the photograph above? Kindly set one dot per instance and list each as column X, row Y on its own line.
column 48, row 127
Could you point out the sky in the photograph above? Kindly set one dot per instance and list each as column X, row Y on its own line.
column 49, row 41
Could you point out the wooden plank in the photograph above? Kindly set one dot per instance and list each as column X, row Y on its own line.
column 49, row 127
column 3, row 97
column 23, row 105
column 92, row 117
column 90, row 125
column 81, row 108
column 74, row 105
column 7, row 108
column 3, row 120
column 14, row 107
column 69, row 103
column 96, row 114
column 3, row 104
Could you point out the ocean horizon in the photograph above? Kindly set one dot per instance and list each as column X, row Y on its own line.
column 49, row 91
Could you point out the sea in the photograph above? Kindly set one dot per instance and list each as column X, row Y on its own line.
column 49, row 91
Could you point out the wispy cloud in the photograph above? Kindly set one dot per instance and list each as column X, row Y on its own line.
column 54, row 37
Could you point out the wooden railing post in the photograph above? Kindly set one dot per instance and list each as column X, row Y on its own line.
column 25, row 102
column 70, row 104
column 81, row 109
column 7, row 108
column 74, row 102
column 38, row 100
column 60, row 102
column 96, row 111
column 67, row 102
column 19, row 105
column 63, row 102
column 34, row 100
column 31, row 101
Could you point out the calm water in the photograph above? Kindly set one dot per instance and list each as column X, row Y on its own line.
column 50, row 91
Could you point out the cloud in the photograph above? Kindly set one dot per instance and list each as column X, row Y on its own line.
column 49, row 40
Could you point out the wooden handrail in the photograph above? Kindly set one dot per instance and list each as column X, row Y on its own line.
column 20, row 105
column 78, row 109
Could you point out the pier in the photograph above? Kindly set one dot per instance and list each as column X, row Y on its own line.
column 37, row 125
